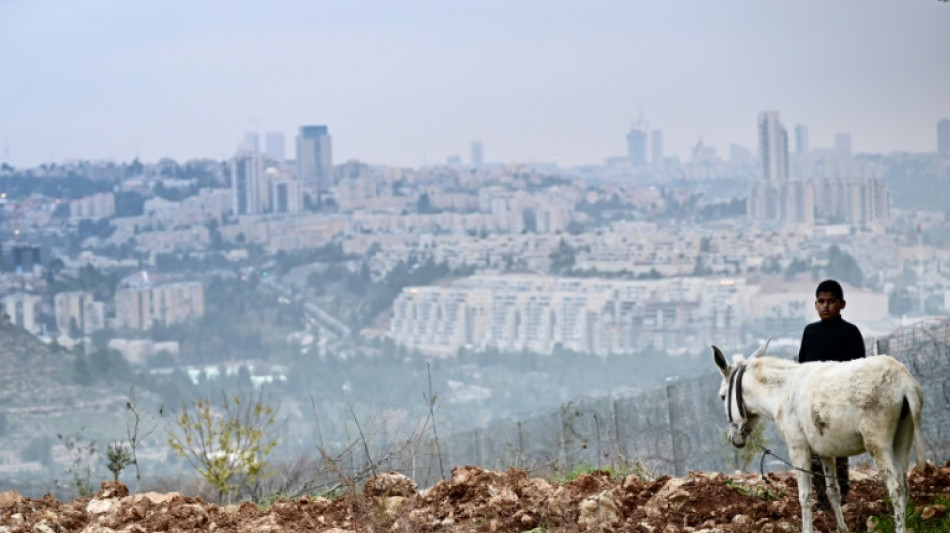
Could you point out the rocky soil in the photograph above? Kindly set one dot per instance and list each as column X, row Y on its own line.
column 477, row 500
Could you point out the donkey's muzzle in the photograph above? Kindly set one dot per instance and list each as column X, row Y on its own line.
column 737, row 436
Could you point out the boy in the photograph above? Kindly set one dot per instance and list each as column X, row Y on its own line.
column 830, row 339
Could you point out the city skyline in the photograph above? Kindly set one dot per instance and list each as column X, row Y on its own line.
column 418, row 83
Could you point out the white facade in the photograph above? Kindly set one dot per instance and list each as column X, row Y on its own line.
column 248, row 189
column 142, row 306
column 21, row 309
column 79, row 308
column 539, row 313
column 95, row 207
column 943, row 136
column 801, row 139
column 773, row 148
column 478, row 153
column 274, row 146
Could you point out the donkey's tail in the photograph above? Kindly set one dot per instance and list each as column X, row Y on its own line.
column 915, row 402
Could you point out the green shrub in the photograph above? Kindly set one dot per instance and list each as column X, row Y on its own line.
column 939, row 523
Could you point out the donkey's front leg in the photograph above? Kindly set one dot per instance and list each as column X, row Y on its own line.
column 833, row 491
column 804, row 493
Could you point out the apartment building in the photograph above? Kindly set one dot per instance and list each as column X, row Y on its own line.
column 286, row 232
column 856, row 201
column 315, row 157
column 248, row 184
column 208, row 204
column 95, row 207
column 365, row 191
column 852, row 200
column 507, row 222
column 539, row 313
column 186, row 238
column 285, row 194
column 20, row 309
column 80, row 309
column 144, row 304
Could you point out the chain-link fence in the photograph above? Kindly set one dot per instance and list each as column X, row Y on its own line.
column 680, row 426
column 667, row 430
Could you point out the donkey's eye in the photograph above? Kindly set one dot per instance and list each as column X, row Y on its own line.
column 722, row 397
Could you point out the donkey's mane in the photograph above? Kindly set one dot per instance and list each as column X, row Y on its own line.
column 776, row 363
column 769, row 361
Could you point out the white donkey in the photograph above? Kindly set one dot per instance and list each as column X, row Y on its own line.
column 830, row 410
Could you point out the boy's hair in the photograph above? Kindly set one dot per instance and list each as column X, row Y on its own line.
column 832, row 286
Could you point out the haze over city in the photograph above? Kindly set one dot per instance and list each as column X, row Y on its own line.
column 539, row 214
column 413, row 83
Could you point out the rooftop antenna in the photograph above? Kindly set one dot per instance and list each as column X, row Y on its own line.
column 640, row 121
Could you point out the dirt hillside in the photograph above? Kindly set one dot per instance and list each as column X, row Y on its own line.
column 477, row 500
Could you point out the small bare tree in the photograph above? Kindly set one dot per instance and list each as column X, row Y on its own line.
column 84, row 458
column 430, row 404
column 133, row 423
column 225, row 442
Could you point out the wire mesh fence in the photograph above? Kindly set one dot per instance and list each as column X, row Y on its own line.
column 667, row 430
column 679, row 427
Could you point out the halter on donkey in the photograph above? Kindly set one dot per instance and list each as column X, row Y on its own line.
column 830, row 410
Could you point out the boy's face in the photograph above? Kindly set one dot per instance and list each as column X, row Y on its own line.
column 828, row 306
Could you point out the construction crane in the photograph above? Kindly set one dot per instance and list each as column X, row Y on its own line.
column 17, row 239
column 16, row 223
column 16, row 213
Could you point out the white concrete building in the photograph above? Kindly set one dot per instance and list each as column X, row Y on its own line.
column 590, row 315
column 143, row 304
column 79, row 308
column 20, row 307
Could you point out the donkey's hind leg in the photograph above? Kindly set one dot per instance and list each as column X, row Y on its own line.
column 903, row 441
column 883, row 455
column 833, row 491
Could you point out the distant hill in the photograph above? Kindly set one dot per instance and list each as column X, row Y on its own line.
column 33, row 373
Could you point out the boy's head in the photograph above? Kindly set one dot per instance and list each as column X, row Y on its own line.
column 829, row 300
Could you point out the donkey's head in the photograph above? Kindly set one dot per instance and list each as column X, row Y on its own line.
column 741, row 421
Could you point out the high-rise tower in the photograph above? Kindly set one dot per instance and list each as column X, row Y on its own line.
column 637, row 146
column 274, row 146
column 315, row 157
column 252, row 142
column 248, row 189
column 478, row 153
column 943, row 136
column 773, row 147
column 843, row 143
column 801, row 139
column 656, row 147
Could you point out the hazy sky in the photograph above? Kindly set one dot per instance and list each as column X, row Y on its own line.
column 407, row 82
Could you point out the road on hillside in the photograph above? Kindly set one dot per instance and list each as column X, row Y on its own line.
column 314, row 311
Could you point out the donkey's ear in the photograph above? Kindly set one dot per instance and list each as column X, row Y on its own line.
column 720, row 361
column 762, row 349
